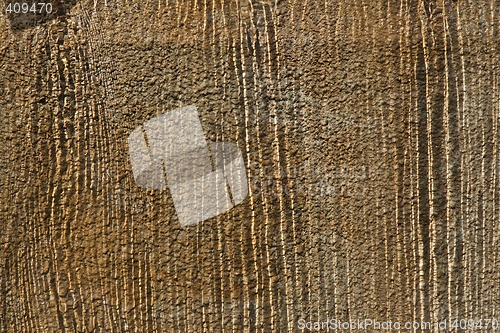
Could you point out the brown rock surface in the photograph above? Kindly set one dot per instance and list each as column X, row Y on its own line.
column 370, row 131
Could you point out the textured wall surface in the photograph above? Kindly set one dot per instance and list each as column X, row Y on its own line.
column 370, row 134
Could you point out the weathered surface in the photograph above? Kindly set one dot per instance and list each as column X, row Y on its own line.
column 370, row 133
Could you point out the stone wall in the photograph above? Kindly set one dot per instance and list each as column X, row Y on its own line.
column 370, row 134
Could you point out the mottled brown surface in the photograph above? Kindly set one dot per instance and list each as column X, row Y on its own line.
column 370, row 130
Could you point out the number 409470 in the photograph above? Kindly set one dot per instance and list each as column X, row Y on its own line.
column 24, row 8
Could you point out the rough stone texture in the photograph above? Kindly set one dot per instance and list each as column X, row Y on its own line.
column 370, row 133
